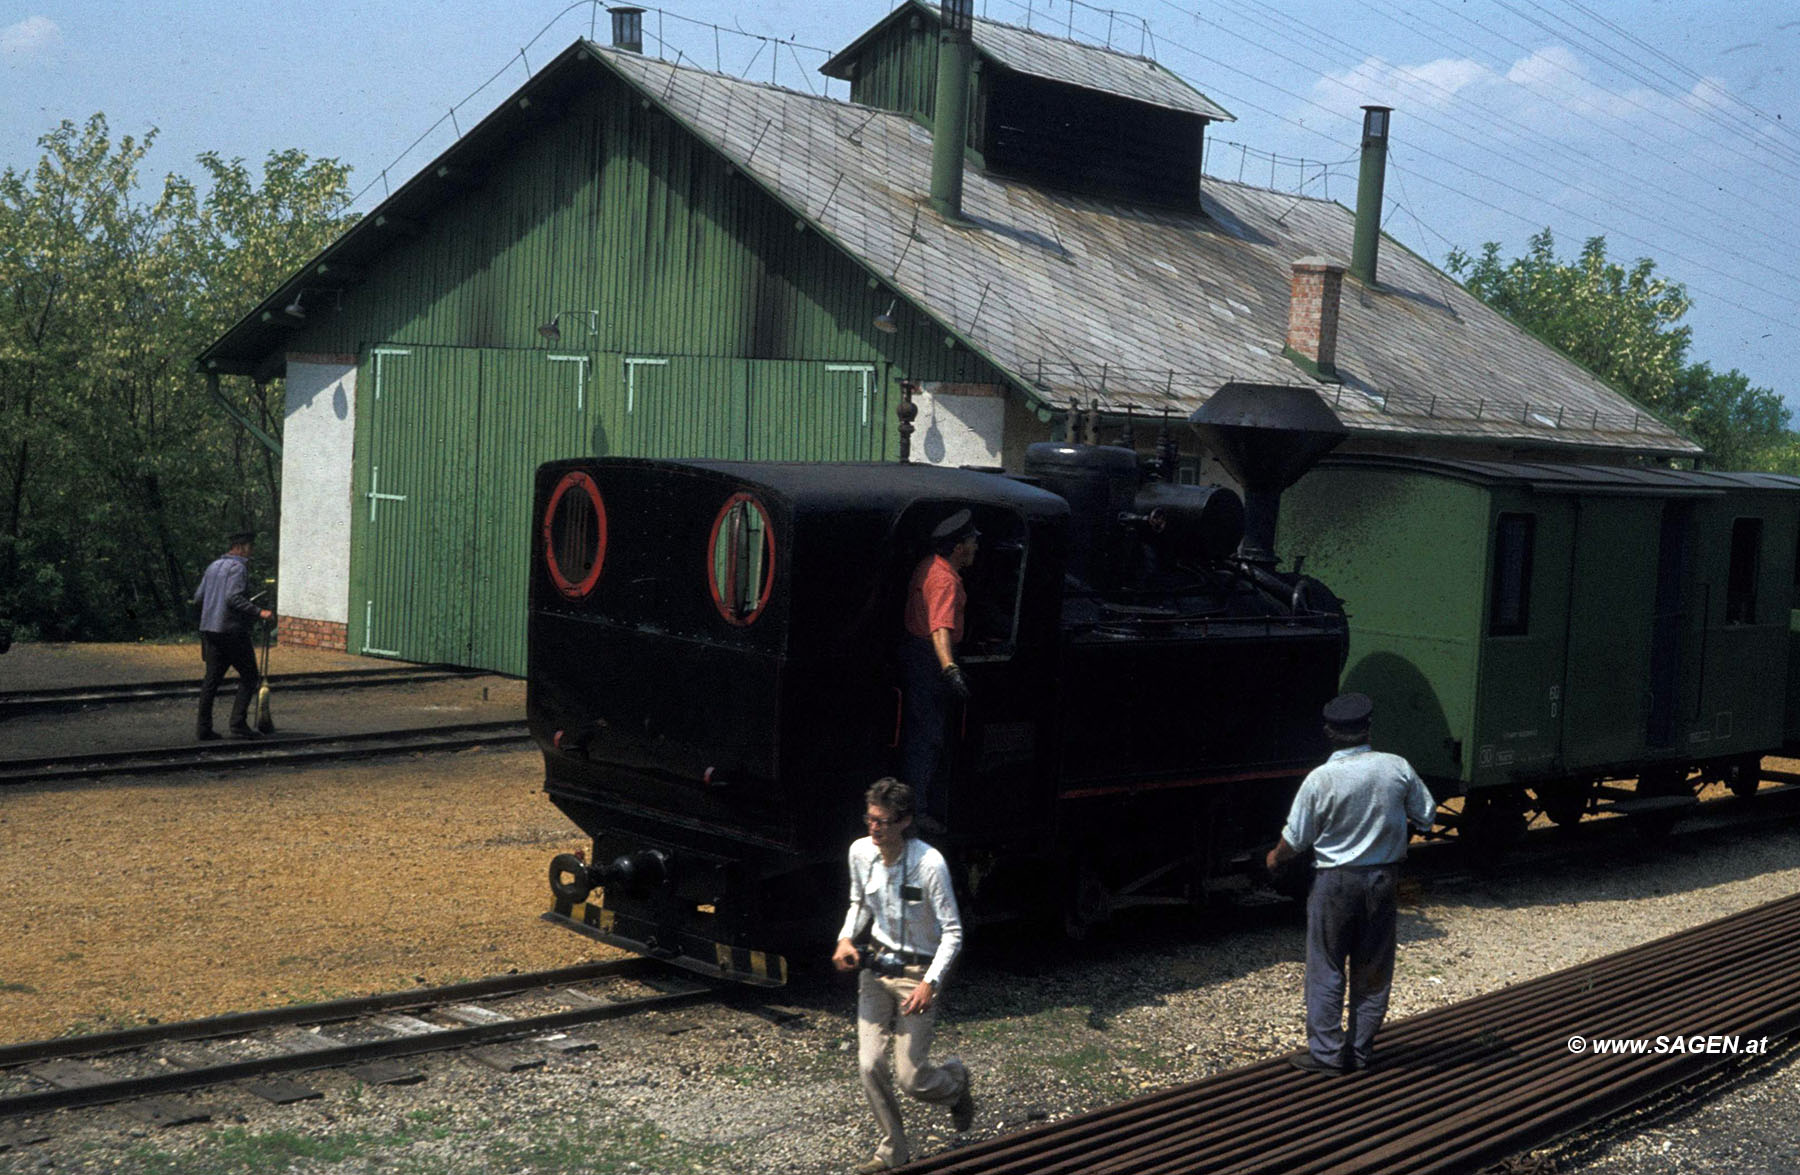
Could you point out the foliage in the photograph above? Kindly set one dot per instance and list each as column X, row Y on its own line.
column 1741, row 427
column 118, row 475
column 1622, row 324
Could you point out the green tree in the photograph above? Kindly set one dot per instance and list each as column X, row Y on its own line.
column 1623, row 324
column 118, row 472
column 1740, row 426
column 1619, row 323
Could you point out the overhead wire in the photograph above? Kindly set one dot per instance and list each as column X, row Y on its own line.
column 1606, row 229
column 1631, row 66
column 1524, row 164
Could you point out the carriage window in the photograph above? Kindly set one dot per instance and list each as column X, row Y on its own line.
column 1509, row 610
column 741, row 562
column 575, row 535
column 1746, row 562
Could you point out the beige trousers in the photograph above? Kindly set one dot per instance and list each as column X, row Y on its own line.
column 878, row 1020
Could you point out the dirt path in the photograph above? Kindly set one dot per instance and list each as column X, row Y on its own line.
column 215, row 893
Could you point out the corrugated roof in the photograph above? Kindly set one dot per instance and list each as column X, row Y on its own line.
column 1061, row 60
column 1147, row 308
column 1551, row 477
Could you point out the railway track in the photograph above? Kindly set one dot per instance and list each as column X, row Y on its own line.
column 509, row 1023
column 14, row 702
column 1460, row 1087
column 275, row 750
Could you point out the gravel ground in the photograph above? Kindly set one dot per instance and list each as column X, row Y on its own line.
column 176, row 899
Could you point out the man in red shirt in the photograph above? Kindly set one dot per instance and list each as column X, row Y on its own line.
column 933, row 679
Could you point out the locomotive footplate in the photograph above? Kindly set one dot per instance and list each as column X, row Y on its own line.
column 692, row 952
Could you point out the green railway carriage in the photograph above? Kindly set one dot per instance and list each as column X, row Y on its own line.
column 1529, row 631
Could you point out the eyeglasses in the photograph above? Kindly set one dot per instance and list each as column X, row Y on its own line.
column 881, row 821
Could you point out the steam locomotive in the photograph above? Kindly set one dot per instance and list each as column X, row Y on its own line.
column 713, row 680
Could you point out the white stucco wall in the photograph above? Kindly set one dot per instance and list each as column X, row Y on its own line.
column 959, row 424
column 317, row 443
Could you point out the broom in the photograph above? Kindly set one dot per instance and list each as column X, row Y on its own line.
column 264, row 723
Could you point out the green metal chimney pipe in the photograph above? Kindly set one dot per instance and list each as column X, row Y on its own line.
column 950, row 123
column 1368, row 194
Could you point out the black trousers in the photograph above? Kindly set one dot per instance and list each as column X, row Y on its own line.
column 222, row 651
column 925, row 724
column 1352, row 917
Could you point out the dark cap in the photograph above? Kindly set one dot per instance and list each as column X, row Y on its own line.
column 1349, row 710
column 958, row 526
column 241, row 538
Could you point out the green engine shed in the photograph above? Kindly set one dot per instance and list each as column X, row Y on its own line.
column 1551, row 626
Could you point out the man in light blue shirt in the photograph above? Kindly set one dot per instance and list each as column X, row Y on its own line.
column 1355, row 812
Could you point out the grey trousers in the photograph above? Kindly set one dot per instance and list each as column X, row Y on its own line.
column 1350, row 922
column 878, row 1020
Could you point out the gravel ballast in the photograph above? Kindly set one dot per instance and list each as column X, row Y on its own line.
column 171, row 899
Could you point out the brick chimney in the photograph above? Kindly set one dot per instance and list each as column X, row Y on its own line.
column 1313, row 295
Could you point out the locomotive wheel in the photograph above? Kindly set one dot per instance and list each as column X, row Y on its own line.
column 1564, row 803
column 1744, row 776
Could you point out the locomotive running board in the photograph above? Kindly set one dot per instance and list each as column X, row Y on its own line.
column 692, row 952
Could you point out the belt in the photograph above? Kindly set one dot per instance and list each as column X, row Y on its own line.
column 1356, row 868
column 910, row 958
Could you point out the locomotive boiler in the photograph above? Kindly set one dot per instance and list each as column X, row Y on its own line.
column 713, row 680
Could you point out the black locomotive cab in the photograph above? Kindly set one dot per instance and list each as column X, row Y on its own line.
column 712, row 680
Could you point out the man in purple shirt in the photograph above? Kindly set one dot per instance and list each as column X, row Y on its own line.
column 226, row 614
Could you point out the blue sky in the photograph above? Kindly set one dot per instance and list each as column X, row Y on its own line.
column 1669, row 126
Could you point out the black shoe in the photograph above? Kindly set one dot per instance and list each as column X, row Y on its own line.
column 243, row 732
column 1308, row 1063
column 207, row 735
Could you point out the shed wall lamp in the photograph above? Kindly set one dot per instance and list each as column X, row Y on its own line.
column 884, row 322
column 551, row 331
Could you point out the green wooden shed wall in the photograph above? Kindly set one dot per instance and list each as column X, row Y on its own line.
column 696, row 318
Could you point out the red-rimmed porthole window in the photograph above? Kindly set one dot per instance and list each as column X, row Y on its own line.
column 575, row 535
column 740, row 560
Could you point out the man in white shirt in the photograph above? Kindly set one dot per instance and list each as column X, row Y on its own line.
column 900, row 892
column 1355, row 812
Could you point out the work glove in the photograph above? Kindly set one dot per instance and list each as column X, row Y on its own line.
column 957, row 680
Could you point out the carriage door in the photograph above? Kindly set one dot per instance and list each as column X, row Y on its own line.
column 1668, row 622
column 1611, row 606
column 416, row 516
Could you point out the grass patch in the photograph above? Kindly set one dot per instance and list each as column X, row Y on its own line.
column 19, row 988
column 557, row 1147
column 236, row 1151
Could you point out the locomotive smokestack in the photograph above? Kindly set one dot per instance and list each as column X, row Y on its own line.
column 1266, row 435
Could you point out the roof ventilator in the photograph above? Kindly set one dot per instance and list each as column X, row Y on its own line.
column 628, row 29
